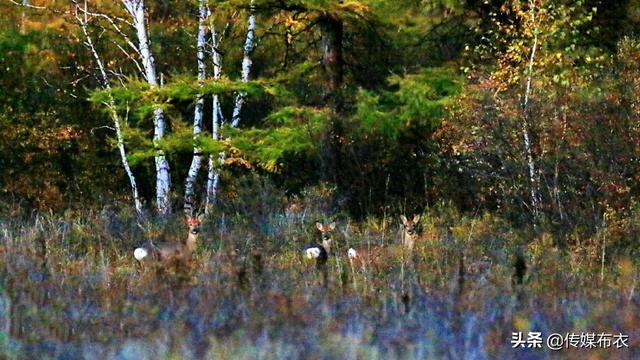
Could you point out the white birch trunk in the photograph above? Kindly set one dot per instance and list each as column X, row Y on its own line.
column 163, row 177
column 213, row 178
column 535, row 200
column 114, row 115
column 196, row 161
column 249, row 43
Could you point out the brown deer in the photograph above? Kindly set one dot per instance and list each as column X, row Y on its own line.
column 409, row 233
column 326, row 231
column 321, row 251
column 374, row 256
column 368, row 257
column 176, row 251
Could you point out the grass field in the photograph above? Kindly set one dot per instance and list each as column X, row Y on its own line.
column 71, row 289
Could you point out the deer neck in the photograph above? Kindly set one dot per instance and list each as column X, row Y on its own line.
column 408, row 240
column 192, row 239
column 326, row 244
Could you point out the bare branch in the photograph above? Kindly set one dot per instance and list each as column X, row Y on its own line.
column 83, row 21
column 102, row 127
column 112, row 22
column 135, row 62
column 30, row 6
column 104, row 16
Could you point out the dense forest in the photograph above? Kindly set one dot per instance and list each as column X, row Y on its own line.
column 512, row 127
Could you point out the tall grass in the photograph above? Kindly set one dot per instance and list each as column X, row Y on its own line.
column 71, row 288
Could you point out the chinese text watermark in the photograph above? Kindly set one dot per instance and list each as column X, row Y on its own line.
column 557, row 341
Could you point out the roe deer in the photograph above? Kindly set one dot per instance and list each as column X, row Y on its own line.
column 368, row 256
column 409, row 234
column 326, row 231
column 177, row 251
column 321, row 251
column 374, row 255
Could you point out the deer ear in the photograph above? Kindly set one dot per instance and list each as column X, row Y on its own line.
column 332, row 226
column 416, row 218
column 404, row 219
column 319, row 225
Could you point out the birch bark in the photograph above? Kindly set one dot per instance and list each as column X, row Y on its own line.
column 104, row 80
column 535, row 199
column 249, row 44
column 218, row 120
column 163, row 177
column 213, row 178
column 203, row 14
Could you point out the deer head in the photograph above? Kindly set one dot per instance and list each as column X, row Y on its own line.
column 325, row 231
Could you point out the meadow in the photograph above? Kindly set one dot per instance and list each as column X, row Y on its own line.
column 71, row 289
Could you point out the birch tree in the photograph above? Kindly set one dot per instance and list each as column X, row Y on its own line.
column 82, row 20
column 526, row 137
column 218, row 119
column 203, row 14
column 213, row 178
column 136, row 10
column 249, row 44
column 549, row 37
column 538, row 62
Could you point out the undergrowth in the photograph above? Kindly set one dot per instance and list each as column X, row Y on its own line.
column 71, row 288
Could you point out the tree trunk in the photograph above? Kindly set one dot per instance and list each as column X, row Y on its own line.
column 198, row 112
column 535, row 199
column 249, row 44
column 163, row 177
column 114, row 115
column 331, row 28
column 331, row 42
column 213, row 178
column 23, row 17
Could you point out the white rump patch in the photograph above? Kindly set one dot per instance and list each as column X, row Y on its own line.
column 140, row 253
column 352, row 254
column 312, row 253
